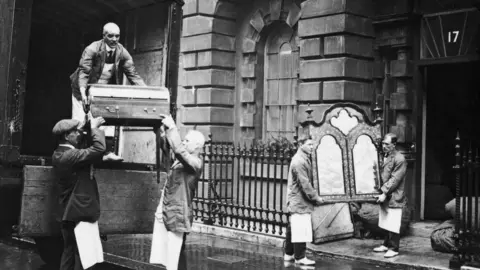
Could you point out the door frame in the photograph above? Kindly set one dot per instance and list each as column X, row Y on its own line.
column 421, row 73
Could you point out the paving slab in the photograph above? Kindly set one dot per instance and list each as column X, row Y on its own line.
column 415, row 252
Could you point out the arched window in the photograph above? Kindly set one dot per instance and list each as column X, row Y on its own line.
column 280, row 87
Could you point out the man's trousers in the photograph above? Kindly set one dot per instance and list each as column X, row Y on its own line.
column 296, row 249
column 392, row 240
column 70, row 256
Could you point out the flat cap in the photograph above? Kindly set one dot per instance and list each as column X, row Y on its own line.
column 65, row 125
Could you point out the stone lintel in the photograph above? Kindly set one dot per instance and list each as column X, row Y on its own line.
column 335, row 68
column 339, row 23
column 207, row 42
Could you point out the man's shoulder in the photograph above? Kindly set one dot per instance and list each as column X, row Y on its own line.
column 94, row 46
column 399, row 157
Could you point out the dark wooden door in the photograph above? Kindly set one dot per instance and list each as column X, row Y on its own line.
column 15, row 17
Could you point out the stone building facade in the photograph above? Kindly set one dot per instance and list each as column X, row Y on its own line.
column 249, row 69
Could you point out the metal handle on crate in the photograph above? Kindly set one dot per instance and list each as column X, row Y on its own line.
column 112, row 110
column 154, row 110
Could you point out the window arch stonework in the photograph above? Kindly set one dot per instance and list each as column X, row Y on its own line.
column 268, row 93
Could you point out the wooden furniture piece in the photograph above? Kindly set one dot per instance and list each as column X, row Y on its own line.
column 346, row 167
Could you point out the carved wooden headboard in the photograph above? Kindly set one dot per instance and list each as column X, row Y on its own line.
column 346, row 158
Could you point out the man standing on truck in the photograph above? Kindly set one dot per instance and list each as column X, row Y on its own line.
column 301, row 198
column 103, row 62
column 393, row 197
column 78, row 192
column 174, row 215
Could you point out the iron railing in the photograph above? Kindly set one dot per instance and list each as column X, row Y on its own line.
column 467, row 189
column 244, row 187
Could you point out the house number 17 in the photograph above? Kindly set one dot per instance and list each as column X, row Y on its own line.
column 453, row 36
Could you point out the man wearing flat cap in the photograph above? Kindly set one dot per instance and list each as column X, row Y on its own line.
column 78, row 194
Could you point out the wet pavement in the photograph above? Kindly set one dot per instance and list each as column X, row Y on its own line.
column 203, row 252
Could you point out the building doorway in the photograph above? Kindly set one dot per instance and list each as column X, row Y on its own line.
column 452, row 105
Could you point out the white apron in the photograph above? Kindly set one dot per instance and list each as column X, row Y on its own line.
column 166, row 245
column 302, row 231
column 88, row 243
column 390, row 219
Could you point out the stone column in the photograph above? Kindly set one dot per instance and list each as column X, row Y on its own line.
column 207, row 68
column 401, row 98
column 336, row 51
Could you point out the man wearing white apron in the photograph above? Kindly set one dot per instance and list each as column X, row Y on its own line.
column 301, row 198
column 174, row 215
column 393, row 198
column 78, row 193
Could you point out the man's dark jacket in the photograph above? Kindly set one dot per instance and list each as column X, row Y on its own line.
column 393, row 175
column 78, row 194
column 91, row 66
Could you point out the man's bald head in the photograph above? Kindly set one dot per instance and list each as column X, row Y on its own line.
column 111, row 34
column 194, row 141
column 111, row 27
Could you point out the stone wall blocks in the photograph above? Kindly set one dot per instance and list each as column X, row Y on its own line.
column 247, row 120
column 401, row 68
column 257, row 21
column 247, row 70
column 217, row 8
column 347, row 91
column 378, row 70
column 208, row 77
column 316, row 8
column 294, row 14
column 197, row 25
column 400, row 101
column 189, row 60
column 219, row 133
column 216, row 58
column 203, row 115
column 207, row 42
column 339, row 23
column 311, row 47
column 275, row 9
column 248, row 45
column 247, row 95
column 214, row 96
column 335, row 68
column 190, row 7
column 311, row 91
column 348, row 45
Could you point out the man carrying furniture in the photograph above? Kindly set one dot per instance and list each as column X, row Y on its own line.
column 174, row 215
column 301, row 198
column 103, row 62
column 78, row 192
column 393, row 197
